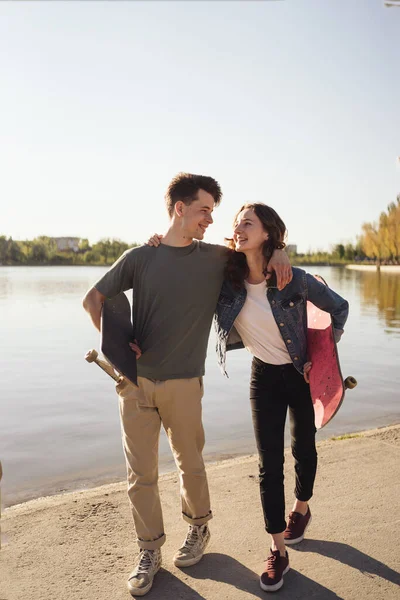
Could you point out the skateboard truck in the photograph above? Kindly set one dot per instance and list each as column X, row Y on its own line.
column 92, row 356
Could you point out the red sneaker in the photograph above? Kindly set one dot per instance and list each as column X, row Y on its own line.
column 297, row 525
column 277, row 566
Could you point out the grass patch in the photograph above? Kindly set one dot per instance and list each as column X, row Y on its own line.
column 346, row 436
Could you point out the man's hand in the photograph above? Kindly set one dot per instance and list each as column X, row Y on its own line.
column 280, row 263
column 155, row 240
column 135, row 348
column 306, row 371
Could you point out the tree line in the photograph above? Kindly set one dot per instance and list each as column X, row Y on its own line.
column 378, row 242
column 43, row 250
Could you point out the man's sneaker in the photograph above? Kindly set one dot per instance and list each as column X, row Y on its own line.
column 277, row 566
column 141, row 578
column 297, row 525
column 192, row 550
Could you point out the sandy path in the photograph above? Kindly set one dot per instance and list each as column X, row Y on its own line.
column 80, row 546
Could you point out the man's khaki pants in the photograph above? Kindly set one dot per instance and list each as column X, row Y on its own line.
column 176, row 403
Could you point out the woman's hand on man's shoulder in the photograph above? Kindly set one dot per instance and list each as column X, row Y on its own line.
column 154, row 240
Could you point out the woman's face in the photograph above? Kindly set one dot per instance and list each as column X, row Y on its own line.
column 249, row 233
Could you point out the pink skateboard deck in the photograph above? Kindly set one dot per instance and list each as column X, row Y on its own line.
column 327, row 387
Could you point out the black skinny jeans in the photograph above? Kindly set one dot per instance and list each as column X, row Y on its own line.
column 274, row 388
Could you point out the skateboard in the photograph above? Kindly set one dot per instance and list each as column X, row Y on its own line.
column 327, row 386
column 116, row 333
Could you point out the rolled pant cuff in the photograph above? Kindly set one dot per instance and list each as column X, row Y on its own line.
column 303, row 497
column 152, row 544
column 275, row 527
column 275, row 530
column 197, row 520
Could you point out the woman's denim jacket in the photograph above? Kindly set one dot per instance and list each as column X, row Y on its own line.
column 289, row 307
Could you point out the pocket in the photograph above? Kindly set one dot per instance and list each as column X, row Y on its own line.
column 121, row 385
column 256, row 368
column 294, row 302
column 125, row 389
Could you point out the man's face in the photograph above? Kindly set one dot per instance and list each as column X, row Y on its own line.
column 196, row 217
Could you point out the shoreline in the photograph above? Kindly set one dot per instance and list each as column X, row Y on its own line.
column 384, row 268
column 300, row 263
column 81, row 545
column 167, row 472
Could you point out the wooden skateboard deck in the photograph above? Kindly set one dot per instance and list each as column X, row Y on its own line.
column 116, row 333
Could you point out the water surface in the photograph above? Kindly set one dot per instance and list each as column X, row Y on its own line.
column 59, row 426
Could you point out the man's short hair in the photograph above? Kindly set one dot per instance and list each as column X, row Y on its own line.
column 185, row 187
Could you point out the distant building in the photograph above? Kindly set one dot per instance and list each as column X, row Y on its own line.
column 291, row 248
column 65, row 244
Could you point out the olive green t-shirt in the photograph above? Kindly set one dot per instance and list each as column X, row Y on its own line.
column 174, row 295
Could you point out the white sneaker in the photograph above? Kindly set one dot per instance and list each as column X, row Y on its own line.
column 141, row 578
column 192, row 550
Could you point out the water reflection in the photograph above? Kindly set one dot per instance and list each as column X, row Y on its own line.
column 40, row 282
column 5, row 287
column 382, row 290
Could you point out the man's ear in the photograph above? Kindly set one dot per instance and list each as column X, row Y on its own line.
column 178, row 208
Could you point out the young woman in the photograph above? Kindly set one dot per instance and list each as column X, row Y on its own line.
column 272, row 325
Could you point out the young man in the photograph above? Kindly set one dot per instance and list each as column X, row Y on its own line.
column 175, row 292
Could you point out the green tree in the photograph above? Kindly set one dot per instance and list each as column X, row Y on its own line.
column 92, row 258
column 3, row 249
column 338, row 251
column 10, row 251
column 117, row 248
column 84, row 245
column 103, row 248
column 349, row 252
column 39, row 251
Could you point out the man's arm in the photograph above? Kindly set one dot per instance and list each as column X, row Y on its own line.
column 93, row 304
column 118, row 278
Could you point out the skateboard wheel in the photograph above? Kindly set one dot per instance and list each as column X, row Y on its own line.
column 350, row 383
column 91, row 356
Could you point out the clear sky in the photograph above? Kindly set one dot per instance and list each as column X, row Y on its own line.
column 294, row 103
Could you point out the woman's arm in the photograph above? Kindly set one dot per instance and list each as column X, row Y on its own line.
column 326, row 299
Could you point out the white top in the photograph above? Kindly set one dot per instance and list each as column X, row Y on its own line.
column 258, row 329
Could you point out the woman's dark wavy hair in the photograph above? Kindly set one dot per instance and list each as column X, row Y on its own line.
column 236, row 270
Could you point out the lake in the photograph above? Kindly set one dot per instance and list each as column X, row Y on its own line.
column 59, row 423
